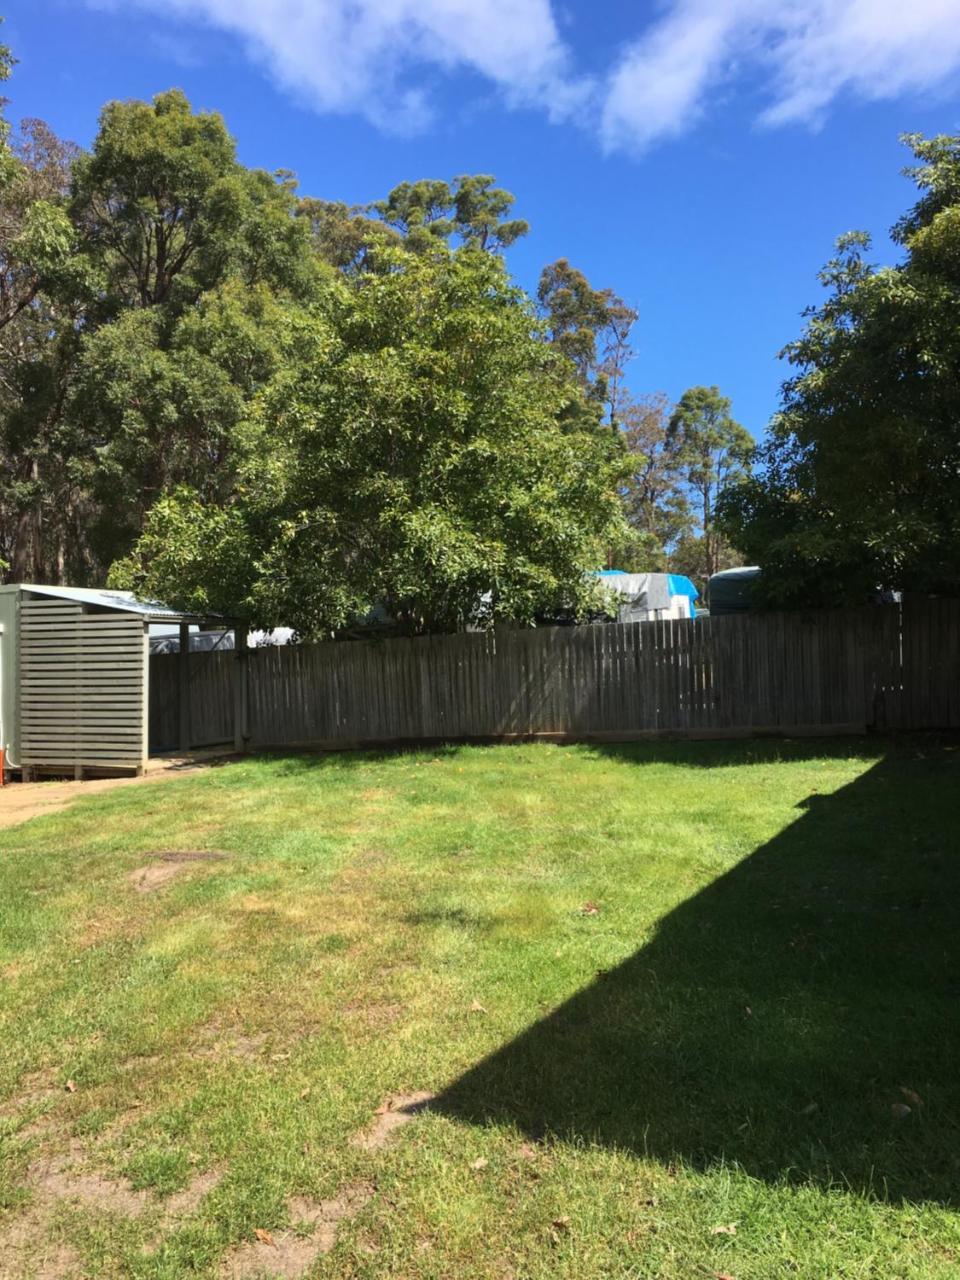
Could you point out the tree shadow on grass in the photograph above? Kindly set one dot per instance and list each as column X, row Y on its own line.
column 785, row 1016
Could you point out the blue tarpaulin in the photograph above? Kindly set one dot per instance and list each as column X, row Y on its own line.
column 681, row 586
column 677, row 585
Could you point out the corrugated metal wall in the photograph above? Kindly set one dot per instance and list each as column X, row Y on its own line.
column 82, row 687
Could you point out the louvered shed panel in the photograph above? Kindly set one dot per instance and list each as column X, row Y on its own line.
column 82, row 687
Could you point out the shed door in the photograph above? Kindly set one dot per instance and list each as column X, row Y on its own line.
column 82, row 687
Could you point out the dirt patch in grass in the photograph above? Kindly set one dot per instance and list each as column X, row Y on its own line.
column 187, row 1201
column 392, row 1114
column 63, row 1177
column 215, row 1041
column 110, row 926
column 59, row 1177
column 40, row 1128
column 35, row 1089
column 166, row 866
column 27, row 1244
column 376, row 1016
column 290, row 1254
column 27, row 1248
column 154, row 876
column 30, row 1111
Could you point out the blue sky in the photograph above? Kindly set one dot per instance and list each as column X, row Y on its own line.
column 699, row 156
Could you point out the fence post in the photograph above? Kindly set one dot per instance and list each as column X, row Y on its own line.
column 183, row 686
column 240, row 730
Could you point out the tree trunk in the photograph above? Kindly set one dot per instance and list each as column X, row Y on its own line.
column 25, row 559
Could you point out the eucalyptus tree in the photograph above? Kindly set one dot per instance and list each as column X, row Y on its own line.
column 713, row 452
column 431, row 214
column 860, row 481
column 591, row 327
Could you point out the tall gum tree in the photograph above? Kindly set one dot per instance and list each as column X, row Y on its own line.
column 859, row 487
column 713, row 452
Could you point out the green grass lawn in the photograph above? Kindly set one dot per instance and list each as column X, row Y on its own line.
column 655, row 991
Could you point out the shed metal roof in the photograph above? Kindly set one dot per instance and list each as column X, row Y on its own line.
column 125, row 601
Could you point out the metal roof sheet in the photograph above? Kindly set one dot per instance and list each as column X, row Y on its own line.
column 151, row 610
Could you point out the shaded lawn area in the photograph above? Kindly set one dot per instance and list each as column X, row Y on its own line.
column 657, row 990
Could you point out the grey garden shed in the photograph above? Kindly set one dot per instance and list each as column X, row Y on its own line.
column 75, row 678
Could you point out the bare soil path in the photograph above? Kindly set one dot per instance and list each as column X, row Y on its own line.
column 21, row 801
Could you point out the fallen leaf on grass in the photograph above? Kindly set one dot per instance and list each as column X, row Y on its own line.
column 477, row 1007
column 729, row 1230
column 527, row 1152
column 810, row 1108
column 899, row 1110
column 264, row 1236
column 70, row 1087
column 911, row 1096
column 480, row 1163
column 589, row 909
column 562, row 1223
column 722, row 1275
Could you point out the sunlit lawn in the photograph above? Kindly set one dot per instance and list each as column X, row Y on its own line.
column 686, row 1011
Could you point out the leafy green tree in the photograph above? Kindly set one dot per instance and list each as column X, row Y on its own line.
column 345, row 237
column 407, row 455
column 8, row 163
column 591, row 327
column 130, row 367
column 35, row 235
column 40, row 325
column 275, row 399
column 165, row 400
column 479, row 214
column 860, row 487
column 655, row 503
column 167, row 212
column 429, row 214
column 714, row 453
column 690, row 556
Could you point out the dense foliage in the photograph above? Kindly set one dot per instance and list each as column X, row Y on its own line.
column 860, row 488
column 220, row 391
column 419, row 472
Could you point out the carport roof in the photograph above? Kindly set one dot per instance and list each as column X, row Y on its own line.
column 125, row 601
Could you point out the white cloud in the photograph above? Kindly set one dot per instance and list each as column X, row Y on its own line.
column 374, row 57
column 871, row 48
column 659, row 87
column 802, row 56
column 380, row 58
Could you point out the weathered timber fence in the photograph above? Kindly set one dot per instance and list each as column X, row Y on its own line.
column 832, row 671
column 211, row 699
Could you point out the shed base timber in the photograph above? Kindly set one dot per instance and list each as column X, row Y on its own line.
column 79, row 773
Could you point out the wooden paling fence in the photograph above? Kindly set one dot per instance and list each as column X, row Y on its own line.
column 212, row 678
column 832, row 671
